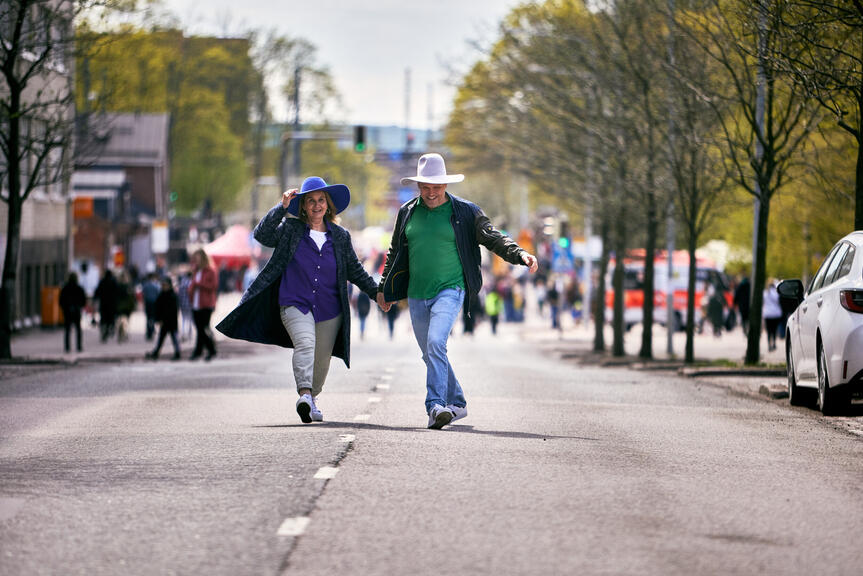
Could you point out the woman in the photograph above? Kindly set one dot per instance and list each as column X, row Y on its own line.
column 300, row 298
column 202, row 293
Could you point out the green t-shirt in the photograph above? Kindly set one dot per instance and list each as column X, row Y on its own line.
column 433, row 256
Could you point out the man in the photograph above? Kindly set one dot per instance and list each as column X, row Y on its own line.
column 434, row 262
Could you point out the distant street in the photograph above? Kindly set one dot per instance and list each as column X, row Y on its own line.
column 559, row 468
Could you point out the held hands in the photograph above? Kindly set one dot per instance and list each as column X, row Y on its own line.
column 530, row 261
column 384, row 305
column 288, row 196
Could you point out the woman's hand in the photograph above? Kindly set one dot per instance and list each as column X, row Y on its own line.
column 288, row 196
column 382, row 303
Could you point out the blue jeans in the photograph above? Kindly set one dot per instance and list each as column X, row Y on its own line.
column 432, row 321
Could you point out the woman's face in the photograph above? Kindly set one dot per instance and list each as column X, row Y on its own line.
column 315, row 205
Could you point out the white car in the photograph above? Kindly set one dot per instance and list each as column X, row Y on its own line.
column 824, row 342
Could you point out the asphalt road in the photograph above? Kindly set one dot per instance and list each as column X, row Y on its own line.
column 560, row 468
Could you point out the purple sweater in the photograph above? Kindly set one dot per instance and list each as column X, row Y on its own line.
column 309, row 280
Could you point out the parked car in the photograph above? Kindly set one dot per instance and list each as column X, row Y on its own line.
column 824, row 343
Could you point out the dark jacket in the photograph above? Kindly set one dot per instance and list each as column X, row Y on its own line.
column 72, row 301
column 165, row 310
column 472, row 228
column 256, row 318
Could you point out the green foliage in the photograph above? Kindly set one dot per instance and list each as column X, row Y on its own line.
column 203, row 83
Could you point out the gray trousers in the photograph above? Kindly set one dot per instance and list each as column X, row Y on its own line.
column 313, row 346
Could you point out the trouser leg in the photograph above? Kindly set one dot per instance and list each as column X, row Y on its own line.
column 301, row 329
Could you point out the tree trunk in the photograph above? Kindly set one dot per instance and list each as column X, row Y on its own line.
column 858, row 184
column 689, row 355
column 13, row 237
column 599, row 304
column 649, row 274
column 759, row 276
column 617, row 347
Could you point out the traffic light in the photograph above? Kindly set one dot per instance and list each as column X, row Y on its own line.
column 564, row 238
column 360, row 138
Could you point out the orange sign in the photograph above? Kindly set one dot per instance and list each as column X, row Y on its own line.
column 82, row 207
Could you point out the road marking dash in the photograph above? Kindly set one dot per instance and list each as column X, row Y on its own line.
column 389, row 370
column 326, row 472
column 374, row 399
column 382, row 387
column 362, row 417
column 347, row 438
column 293, row 526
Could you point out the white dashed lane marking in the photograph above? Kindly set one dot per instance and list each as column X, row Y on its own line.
column 293, row 526
column 326, row 472
column 362, row 417
column 347, row 438
column 374, row 399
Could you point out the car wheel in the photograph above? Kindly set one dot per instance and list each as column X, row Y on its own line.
column 796, row 395
column 830, row 400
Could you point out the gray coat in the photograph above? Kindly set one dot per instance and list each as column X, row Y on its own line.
column 256, row 318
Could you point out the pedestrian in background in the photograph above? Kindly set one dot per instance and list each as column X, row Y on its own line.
column 203, row 288
column 165, row 310
column 150, row 291
column 553, row 299
column 106, row 294
column 434, row 261
column 493, row 307
column 772, row 312
column 364, row 306
column 72, row 302
column 742, row 295
column 125, row 305
column 185, row 301
column 300, row 298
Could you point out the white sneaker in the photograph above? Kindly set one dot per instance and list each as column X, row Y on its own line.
column 304, row 407
column 458, row 412
column 316, row 414
column 439, row 417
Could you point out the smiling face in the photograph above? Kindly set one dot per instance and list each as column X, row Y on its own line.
column 433, row 195
column 314, row 207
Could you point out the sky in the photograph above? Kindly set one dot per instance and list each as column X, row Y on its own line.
column 367, row 45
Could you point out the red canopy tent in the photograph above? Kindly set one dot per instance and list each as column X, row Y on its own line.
column 233, row 249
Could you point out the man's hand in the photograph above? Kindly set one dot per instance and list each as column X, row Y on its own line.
column 384, row 305
column 530, row 261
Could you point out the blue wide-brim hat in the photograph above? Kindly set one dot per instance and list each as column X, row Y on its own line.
column 339, row 194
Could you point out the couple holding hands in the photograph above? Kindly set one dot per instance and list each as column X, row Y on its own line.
column 300, row 298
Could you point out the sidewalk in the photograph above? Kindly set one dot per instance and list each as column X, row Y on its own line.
column 45, row 345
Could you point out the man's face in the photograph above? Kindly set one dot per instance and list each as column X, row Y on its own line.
column 433, row 195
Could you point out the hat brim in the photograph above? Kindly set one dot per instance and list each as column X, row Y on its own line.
column 339, row 194
column 444, row 179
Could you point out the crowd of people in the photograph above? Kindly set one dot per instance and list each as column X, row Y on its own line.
column 171, row 304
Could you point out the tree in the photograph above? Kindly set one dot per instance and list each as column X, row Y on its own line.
column 204, row 84
column 764, row 117
column 830, row 67
column 36, row 116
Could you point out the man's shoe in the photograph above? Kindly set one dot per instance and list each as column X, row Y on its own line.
column 439, row 417
column 458, row 412
column 210, row 356
column 304, row 408
column 316, row 414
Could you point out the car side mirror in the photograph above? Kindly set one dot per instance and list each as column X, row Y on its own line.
column 790, row 293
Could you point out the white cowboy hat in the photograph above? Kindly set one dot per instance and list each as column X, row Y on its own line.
column 432, row 170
